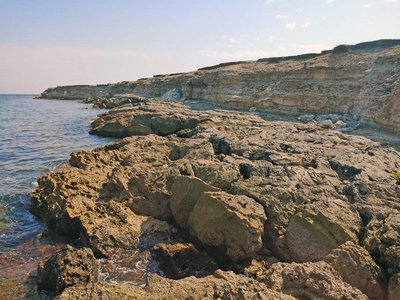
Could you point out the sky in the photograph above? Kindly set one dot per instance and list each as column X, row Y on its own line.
column 47, row 43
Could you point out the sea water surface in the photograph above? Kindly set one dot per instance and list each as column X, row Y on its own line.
column 36, row 137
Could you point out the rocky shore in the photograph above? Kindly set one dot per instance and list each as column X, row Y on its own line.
column 361, row 80
column 227, row 205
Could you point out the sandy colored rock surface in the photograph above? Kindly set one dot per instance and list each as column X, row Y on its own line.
column 313, row 280
column 223, row 285
column 232, row 223
column 184, row 260
column 240, row 188
column 68, row 267
column 355, row 265
column 362, row 81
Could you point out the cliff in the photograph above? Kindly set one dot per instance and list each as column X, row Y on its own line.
column 362, row 80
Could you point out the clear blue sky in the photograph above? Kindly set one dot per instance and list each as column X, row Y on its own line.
column 47, row 43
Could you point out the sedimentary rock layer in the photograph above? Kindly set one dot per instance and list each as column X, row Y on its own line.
column 291, row 205
column 362, row 80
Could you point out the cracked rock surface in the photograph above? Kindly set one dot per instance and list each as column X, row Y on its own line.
column 296, row 203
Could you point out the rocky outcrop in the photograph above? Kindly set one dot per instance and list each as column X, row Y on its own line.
column 242, row 189
column 184, row 260
column 360, row 79
column 75, row 92
column 68, row 267
column 356, row 266
column 222, row 285
column 232, row 223
column 311, row 280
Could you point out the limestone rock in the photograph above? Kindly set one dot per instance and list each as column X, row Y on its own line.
column 68, row 267
column 356, row 267
column 185, row 193
column 394, row 287
column 382, row 238
column 236, row 186
column 183, row 260
column 312, row 280
column 231, row 223
column 360, row 82
column 320, row 227
column 109, row 226
column 143, row 121
column 223, row 285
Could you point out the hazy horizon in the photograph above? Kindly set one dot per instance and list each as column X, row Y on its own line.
column 46, row 44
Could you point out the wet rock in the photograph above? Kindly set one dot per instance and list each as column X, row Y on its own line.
column 183, row 260
column 68, row 267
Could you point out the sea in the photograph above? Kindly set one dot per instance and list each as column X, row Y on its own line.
column 36, row 138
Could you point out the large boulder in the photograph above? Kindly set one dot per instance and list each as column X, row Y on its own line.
column 230, row 223
column 356, row 266
column 320, row 227
column 68, row 267
column 110, row 226
column 186, row 191
column 316, row 280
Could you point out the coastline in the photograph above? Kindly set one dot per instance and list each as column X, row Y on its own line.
column 233, row 190
column 359, row 79
column 240, row 179
column 36, row 137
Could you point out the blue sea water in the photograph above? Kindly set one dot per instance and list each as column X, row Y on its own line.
column 36, row 136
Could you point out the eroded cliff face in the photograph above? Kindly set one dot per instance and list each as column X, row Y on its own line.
column 363, row 80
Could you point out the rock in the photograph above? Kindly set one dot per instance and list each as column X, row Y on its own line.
column 183, row 260
column 143, row 121
column 309, row 280
column 357, row 82
column 252, row 109
column 234, row 185
column 382, row 239
column 172, row 95
column 356, row 267
column 325, row 124
column 305, row 118
column 318, row 228
column 394, row 287
column 68, row 267
column 185, row 193
column 110, row 226
column 223, row 285
column 104, row 290
column 230, row 223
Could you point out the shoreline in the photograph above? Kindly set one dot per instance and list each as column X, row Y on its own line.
column 360, row 80
column 266, row 179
